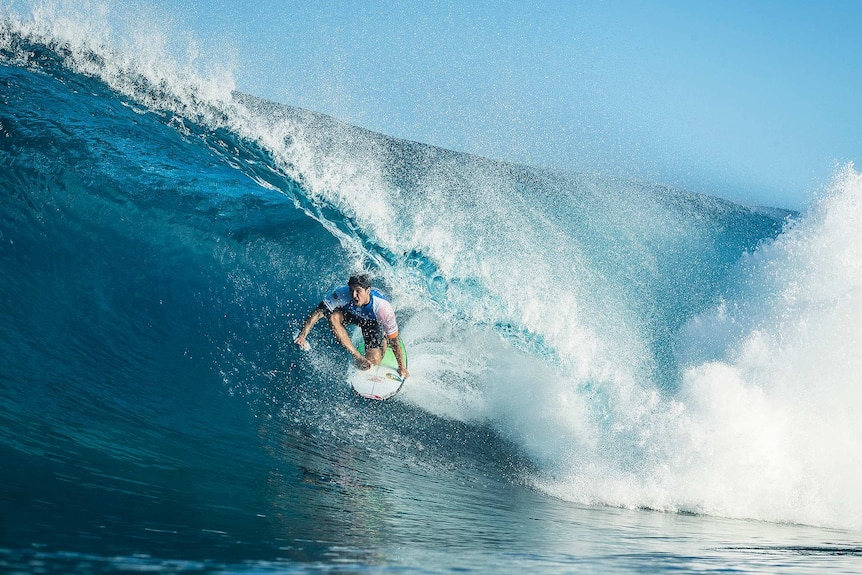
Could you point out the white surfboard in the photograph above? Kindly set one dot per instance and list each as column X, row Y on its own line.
column 381, row 381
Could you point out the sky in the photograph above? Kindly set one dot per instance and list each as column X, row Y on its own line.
column 756, row 101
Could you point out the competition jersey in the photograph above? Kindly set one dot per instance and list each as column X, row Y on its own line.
column 377, row 310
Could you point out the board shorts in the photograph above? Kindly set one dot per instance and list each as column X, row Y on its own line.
column 372, row 331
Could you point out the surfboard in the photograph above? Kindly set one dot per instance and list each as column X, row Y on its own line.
column 381, row 381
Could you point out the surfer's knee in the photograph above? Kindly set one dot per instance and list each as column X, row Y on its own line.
column 374, row 355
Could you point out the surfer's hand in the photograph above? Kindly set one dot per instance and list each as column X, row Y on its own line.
column 403, row 373
column 300, row 341
column 362, row 363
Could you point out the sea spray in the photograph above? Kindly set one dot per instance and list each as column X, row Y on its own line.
column 763, row 425
column 774, row 413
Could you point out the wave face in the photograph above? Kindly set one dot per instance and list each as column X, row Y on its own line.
column 607, row 342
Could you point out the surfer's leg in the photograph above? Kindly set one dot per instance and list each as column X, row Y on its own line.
column 374, row 355
column 375, row 343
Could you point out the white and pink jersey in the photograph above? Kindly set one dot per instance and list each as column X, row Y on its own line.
column 377, row 310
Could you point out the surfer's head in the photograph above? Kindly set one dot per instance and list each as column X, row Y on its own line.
column 359, row 289
column 360, row 280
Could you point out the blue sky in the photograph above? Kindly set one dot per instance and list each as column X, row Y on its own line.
column 755, row 101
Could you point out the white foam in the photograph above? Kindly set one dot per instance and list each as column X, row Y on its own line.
column 766, row 427
column 778, row 410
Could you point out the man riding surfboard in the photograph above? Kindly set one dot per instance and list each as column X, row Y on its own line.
column 359, row 304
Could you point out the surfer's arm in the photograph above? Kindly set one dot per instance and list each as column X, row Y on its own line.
column 312, row 319
column 336, row 319
column 395, row 342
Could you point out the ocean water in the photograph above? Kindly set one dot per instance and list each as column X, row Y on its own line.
column 607, row 376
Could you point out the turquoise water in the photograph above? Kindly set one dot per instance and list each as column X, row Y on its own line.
column 606, row 376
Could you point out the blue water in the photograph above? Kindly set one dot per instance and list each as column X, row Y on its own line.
column 607, row 376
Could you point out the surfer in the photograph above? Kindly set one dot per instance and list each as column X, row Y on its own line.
column 359, row 304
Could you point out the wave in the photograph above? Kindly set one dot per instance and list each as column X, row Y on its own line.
column 164, row 235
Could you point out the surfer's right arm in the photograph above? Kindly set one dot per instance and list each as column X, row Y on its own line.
column 312, row 319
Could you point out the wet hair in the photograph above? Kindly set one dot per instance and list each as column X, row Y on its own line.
column 360, row 280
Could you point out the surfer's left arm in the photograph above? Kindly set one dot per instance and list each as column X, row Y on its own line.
column 395, row 342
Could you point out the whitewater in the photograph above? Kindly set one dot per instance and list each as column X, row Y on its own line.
column 607, row 375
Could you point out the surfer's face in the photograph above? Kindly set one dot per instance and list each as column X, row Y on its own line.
column 360, row 295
